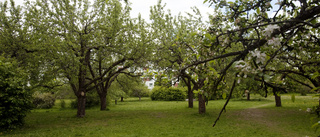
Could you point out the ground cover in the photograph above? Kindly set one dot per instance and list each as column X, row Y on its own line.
column 133, row 118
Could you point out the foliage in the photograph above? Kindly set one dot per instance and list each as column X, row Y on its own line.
column 15, row 99
column 64, row 92
column 43, row 100
column 168, row 94
column 162, row 80
column 140, row 90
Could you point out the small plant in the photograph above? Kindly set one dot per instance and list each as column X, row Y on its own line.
column 293, row 97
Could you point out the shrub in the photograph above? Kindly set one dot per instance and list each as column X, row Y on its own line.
column 92, row 99
column 15, row 100
column 168, row 94
column 43, row 100
column 63, row 104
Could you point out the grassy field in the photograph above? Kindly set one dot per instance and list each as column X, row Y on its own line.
column 133, row 118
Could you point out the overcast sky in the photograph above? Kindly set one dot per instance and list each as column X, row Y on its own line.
column 175, row 6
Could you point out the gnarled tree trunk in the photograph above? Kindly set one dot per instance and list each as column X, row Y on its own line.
column 81, row 104
column 103, row 100
column 278, row 100
column 190, row 99
column 277, row 97
column 202, row 104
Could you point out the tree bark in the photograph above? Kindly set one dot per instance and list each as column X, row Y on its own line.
column 103, row 101
column 278, row 100
column 277, row 97
column 81, row 105
column 115, row 101
column 190, row 98
column 139, row 98
column 190, row 93
column 202, row 104
column 248, row 96
column 121, row 99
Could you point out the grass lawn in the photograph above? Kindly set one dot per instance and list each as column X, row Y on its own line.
column 133, row 118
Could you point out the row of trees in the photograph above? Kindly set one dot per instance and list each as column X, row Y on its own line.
column 88, row 45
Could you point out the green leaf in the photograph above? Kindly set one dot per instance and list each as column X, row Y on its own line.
column 206, row 94
column 224, row 95
column 258, row 10
column 207, row 35
column 196, row 91
column 315, row 125
column 193, row 34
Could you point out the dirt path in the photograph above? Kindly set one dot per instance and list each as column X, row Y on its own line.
column 261, row 116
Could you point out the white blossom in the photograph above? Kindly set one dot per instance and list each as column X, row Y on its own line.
column 240, row 64
column 274, row 41
column 260, row 57
column 225, row 42
column 269, row 30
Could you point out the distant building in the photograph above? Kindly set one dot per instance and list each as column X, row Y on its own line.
column 149, row 83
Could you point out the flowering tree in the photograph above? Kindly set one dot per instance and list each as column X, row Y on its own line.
column 178, row 42
column 256, row 35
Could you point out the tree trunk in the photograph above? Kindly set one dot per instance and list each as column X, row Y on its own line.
column 278, row 100
column 81, row 105
column 139, row 98
column 202, row 104
column 103, row 101
column 248, row 96
column 115, row 101
column 190, row 95
column 190, row 99
column 121, row 99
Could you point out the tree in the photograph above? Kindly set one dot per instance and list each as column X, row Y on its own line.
column 128, row 50
column 140, row 90
column 262, row 38
column 76, row 29
column 178, row 45
column 93, row 42
column 20, row 42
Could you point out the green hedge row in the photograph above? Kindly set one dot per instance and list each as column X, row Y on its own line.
column 168, row 94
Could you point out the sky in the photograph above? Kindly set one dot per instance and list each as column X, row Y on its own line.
column 175, row 6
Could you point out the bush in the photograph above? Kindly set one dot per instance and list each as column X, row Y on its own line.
column 92, row 100
column 63, row 104
column 168, row 94
column 43, row 100
column 15, row 100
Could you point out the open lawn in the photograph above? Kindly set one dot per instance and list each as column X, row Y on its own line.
column 133, row 118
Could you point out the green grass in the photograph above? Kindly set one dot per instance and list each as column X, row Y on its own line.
column 148, row 118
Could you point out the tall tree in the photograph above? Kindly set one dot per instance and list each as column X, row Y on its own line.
column 79, row 31
column 178, row 44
